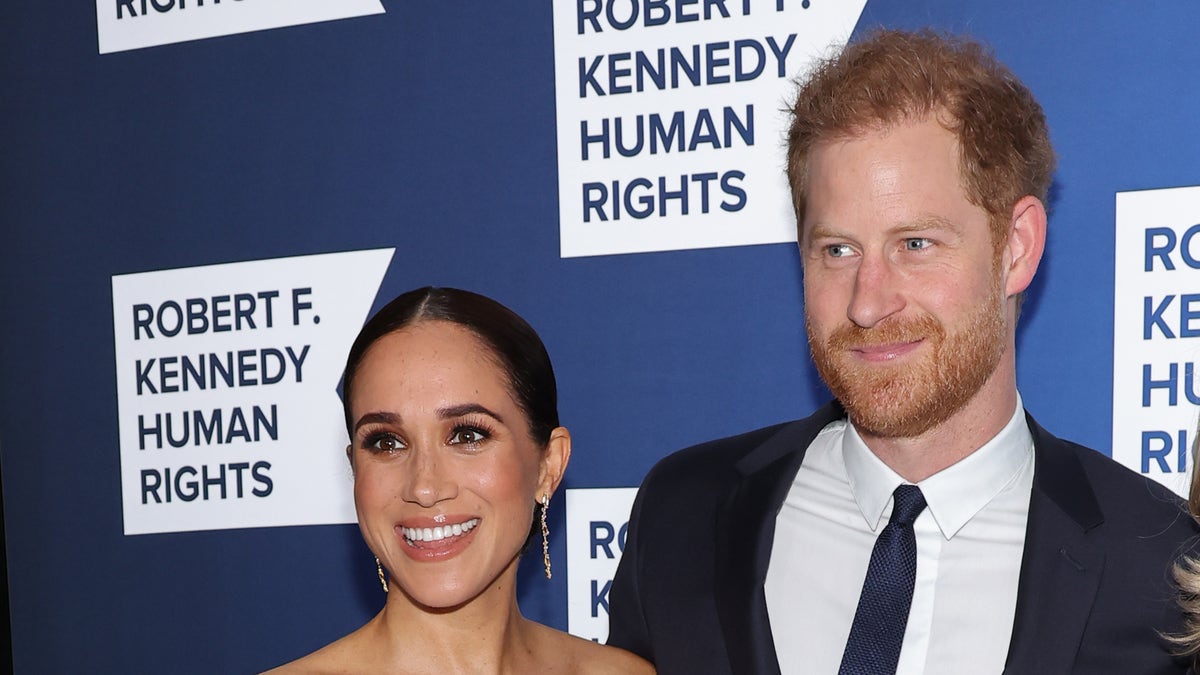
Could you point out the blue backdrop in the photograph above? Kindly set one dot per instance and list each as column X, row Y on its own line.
column 431, row 129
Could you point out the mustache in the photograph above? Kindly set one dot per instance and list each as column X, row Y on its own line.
column 890, row 331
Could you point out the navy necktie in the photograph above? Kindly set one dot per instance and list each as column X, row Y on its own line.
column 878, row 630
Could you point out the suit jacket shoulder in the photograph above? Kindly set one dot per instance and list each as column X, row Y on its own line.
column 1095, row 593
column 1109, row 500
column 663, row 601
column 708, row 465
column 1130, row 501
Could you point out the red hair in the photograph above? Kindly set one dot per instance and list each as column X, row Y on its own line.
column 892, row 77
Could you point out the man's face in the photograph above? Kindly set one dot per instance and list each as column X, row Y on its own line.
column 902, row 290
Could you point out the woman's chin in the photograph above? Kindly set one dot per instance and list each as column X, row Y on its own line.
column 443, row 587
column 442, row 597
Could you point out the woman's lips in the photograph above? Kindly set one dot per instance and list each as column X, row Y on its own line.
column 426, row 542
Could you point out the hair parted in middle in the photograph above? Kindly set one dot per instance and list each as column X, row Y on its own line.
column 507, row 337
column 892, row 77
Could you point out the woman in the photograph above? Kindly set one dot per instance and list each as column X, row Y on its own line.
column 1187, row 576
column 451, row 407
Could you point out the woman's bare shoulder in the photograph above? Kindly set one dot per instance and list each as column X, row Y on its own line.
column 600, row 659
column 591, row 658
column 336, row 658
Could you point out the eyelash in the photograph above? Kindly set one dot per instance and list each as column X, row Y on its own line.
column 373, row 439
column 479, row 428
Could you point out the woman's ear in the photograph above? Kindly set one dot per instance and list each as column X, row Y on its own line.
column 554, row 462
column 350, row 456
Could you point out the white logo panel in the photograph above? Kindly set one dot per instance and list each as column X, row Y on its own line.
column 670, row 122
column 1156, row 332
column 133, row 24
column 597, row 521
column 227, row 398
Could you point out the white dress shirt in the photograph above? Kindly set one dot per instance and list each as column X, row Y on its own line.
column 969, row 544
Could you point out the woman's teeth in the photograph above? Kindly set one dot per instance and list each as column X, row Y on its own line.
column 439, row 533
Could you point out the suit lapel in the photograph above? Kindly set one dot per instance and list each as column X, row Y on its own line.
column 745, row 531
column 1060, row 568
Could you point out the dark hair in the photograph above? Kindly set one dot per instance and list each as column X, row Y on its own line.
column 894, row 76
column 515, row 346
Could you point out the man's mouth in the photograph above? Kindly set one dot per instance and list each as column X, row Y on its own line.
column 886, row 352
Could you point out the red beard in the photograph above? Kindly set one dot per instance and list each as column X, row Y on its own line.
column 904, row 400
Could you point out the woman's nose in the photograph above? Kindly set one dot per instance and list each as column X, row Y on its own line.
column 428, row 480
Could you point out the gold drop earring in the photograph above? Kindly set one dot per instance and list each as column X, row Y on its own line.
column 545, row 535
column 379, row 571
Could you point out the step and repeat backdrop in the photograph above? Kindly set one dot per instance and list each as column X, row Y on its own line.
column 203, row 200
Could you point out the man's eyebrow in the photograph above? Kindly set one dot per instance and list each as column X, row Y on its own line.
column 930, row 222
column 927, row 223
column 820, row 230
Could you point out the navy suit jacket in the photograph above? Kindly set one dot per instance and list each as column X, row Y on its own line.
column 1094, row 593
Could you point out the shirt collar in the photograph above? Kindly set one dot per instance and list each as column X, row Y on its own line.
column 954, row 494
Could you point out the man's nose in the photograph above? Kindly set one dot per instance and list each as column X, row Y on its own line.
column 877, row 292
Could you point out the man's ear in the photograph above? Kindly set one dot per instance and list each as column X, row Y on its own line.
column 554, row 462
column 1025, row 245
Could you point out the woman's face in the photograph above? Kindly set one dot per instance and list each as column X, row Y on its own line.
column 446, row 473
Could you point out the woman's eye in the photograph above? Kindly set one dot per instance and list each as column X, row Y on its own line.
column 467, row 436
column 385, row 443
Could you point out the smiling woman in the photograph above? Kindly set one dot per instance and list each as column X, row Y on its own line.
column 451, row 407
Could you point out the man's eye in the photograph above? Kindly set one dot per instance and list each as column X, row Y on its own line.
column 917, row 244
column 467, row 436
column 838, row 250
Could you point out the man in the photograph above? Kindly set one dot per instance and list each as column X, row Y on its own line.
column 923, row 522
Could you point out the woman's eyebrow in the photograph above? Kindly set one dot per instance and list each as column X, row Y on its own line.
column 377, row 418
column 467, row 409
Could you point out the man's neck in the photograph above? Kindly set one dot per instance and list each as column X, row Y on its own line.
column 919, row 457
